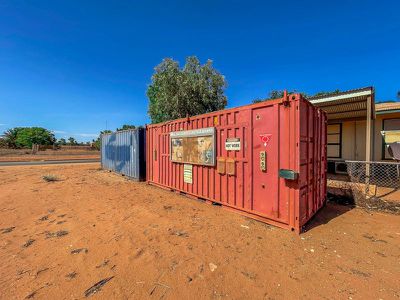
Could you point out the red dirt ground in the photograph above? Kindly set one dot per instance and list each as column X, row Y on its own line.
column 156, row 244
column 7, row 155
column 47, row 157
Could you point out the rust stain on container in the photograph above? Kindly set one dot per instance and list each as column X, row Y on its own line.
column 268, row 161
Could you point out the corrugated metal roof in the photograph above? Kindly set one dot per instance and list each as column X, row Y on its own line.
column 387, row 106
column 344, row 95
column 346, row 105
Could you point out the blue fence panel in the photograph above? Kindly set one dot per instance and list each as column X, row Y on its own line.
column 124, row 152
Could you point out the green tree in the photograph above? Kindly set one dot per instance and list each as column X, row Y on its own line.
column 97, row 142
column 72, row 141
column 24, row 137
column 3, row 143
column 276, row 94
column 335, row 92
column 126, row 127
column 62, row 141
column 10, row 136
column 176, row 93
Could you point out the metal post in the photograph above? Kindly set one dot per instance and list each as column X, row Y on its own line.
column 368, row 144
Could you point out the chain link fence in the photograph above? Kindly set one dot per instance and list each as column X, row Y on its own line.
column 375, row 184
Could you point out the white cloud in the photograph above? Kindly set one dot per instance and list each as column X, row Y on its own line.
column 2, row 124
column 86, row 134
column 78, row 136
column 59, row 131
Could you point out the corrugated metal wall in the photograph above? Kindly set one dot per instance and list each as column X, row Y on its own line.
column 124, row 152
column 297, row 144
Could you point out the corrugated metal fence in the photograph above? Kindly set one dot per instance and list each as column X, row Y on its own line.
column 124, row 152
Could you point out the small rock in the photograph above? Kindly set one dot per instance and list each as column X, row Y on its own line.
column 212, row 266
column 178, row 233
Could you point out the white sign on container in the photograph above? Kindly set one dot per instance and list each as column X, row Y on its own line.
column 188, row 173
column 232, row 144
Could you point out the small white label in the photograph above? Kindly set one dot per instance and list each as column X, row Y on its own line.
column 188, row 173
column 232, row 144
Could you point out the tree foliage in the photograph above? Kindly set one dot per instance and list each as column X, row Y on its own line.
column 72, row 141
column 97, row 142
column 24, row 137
column 10, row 137
column 62, row 141
column 3, row 143
column 276, row 94
column 335, row 92
column 194, row 89
column 126, row 127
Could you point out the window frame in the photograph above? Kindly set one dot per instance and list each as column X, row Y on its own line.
column 336, row 144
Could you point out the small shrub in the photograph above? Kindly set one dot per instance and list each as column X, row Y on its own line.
column 50, row 178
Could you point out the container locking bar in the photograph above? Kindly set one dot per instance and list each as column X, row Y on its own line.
column 288, row 174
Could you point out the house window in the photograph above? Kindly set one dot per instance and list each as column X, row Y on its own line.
column 387, row 125
column 334, row 145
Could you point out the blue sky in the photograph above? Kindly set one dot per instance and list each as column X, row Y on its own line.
column 76, row 66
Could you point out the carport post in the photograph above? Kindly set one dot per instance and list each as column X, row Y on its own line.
column 368, row 145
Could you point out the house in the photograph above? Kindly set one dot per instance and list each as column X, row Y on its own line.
column 355, row 126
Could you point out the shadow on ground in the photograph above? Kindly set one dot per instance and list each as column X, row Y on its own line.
column 335, row 207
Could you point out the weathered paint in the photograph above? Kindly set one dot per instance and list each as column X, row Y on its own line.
column 124, row 153
column 287, row 133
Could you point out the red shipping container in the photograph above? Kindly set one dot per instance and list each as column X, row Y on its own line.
column 264, row 160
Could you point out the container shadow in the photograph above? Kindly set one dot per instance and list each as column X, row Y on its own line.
column 330, row 211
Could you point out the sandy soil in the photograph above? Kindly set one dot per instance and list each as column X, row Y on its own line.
column 58, row 239
column 48, row 157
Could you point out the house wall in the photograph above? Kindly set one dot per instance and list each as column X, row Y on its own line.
column 353, row 138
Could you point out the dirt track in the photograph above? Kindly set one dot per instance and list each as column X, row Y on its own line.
column 58, row 239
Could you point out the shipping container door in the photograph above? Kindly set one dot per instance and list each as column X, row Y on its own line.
column 266, row 161
column 156, row 155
